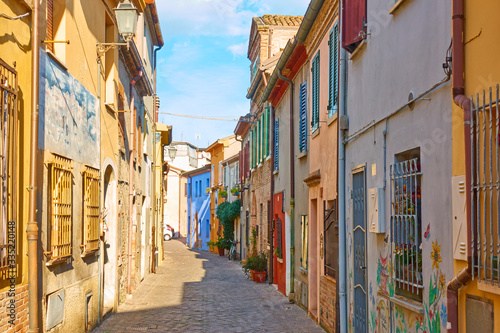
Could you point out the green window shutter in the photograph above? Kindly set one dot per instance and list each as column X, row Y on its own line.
column 259, row 141
column 303, row 118
column 267, row 132
column 333, row 70
column 315, row 93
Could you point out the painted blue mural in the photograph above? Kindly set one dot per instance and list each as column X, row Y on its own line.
column 68, row 123
column 198, row 211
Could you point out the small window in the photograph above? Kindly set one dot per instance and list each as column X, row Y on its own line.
column 304, row 223
column 406, row 222
column 60, row 217
column 91, row 210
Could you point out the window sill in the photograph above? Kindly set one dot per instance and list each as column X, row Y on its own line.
column 302, row 154
column 275, row 172
column 267, row 158
column 358, row 50
column 396, row 6
column 315, row 133
column 56, row 261
column 279, row 260
column 404, row 302
column 489, row 288
column 303, row 270
column 110, row 107
column 332, row 119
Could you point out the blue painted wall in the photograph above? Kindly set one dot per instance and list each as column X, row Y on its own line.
column 198, row 211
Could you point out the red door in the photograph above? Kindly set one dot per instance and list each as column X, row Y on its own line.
column 279, row 256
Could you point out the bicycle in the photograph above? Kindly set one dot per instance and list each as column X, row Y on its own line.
column 232, row 251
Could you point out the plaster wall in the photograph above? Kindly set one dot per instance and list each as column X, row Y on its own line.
column 481, row 73
column 378, row 84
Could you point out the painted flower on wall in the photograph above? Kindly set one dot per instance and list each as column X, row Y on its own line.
column 442, row 281
column 436, row 255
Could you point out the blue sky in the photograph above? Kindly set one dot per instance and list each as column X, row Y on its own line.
column 203, row 68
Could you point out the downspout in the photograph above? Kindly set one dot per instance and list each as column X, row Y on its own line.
column 465, row 275
column 341, row 186
column 154, row 78
column 100, row 180
column 271, row 245
column 292, row 189
column 131, row 179
column 32, row 225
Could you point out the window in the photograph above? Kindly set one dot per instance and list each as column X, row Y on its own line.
column 406, row 234
column 255, row 67
column 60, row 218
column 8, row 161
column 208, row 228
column 208, row 186
column 303, row 118
column 304, row 223
column 315, row 93
column 212, row 175
column 330, row 237
column 276, row 144
column 334, row 77
column 279, row 241
column 220, row 173
column 354, row 24
column 185, row 189
column 56, row 28
column 237, row 170
column 91, row 210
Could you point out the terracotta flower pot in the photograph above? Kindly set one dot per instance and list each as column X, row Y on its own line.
column 251, row 274
column 259, row 277
column 221, row 251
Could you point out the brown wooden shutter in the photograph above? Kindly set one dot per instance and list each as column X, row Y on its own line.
column 354, row 23
column 50, row 25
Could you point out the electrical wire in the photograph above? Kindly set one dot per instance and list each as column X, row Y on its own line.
column 197, row 117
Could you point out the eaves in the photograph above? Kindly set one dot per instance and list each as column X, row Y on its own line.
column 133, row 63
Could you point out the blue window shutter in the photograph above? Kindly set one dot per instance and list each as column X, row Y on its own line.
column 276, row 144
column 303, row 118
column 333, row 71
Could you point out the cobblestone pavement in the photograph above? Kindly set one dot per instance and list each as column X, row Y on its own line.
column 196, row 291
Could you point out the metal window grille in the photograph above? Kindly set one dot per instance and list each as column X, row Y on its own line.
column 406, row 234
column 279, row 241
column 91, row 210
column 485, row 186
column 60, row 209
column 331, row 237
column 8, row 158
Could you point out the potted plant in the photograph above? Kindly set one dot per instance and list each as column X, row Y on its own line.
column 220, row 244
column 235, row 191
column 256, row 265
column 223, row 194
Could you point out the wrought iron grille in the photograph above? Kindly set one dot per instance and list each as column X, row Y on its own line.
column 406, row 234
column 91, row 210
column 485, row 186
column 331, row 238
column 60, row 209
column 8, row 158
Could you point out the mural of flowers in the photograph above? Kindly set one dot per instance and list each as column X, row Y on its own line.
column 444, row 315
column 436, row 255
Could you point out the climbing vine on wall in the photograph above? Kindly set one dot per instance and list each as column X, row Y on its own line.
column 227, row 212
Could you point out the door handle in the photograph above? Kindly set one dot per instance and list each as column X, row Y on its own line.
column 362, row 267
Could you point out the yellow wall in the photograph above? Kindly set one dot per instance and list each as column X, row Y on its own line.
column 15, row 48
column 481, row 72
column 217, row 154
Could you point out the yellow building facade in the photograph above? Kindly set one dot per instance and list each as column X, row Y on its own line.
column 479, row 299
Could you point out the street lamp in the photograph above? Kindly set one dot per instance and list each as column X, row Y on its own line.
column 126, row 18
column 172, row 151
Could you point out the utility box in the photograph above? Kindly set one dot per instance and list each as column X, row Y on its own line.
column 376, row 210
column 459, row 215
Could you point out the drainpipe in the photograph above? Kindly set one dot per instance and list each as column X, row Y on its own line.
column 271, row 266
column 292, row 190
column 131, row 179
column 341, row 186
column 154, row 78
column 32, row 225
column 99, row 261
column 465, row 275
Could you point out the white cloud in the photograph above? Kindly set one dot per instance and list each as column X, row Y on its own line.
column 220, row 17
column 238, row 49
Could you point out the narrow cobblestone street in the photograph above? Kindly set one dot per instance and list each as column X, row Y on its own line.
column 196, row 291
